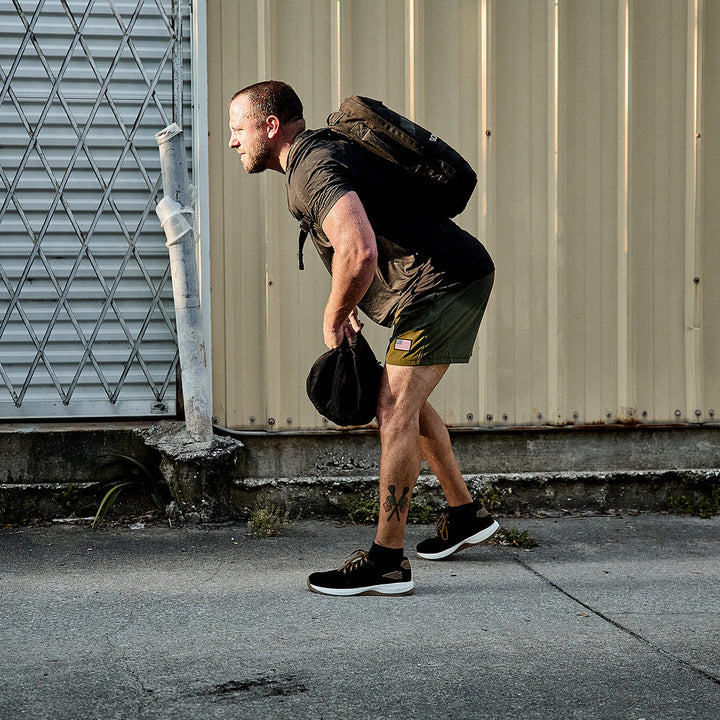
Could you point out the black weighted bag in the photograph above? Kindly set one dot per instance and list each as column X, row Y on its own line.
column 344, row 383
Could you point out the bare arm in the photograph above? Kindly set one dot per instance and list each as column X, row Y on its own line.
column 353, row 267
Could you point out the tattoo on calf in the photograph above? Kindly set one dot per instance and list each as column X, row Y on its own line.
column 394, row 506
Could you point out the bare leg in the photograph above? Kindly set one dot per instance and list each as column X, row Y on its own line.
column 438, row 453
column 403, row 395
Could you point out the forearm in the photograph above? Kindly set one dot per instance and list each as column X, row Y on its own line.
column 353, row 267
column 352, row 274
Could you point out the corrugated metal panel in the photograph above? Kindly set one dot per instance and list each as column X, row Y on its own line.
column 521, row 185
column 592, row 133
column 657, row 174
column 581, row 118
column 85, row 294
column 708, row 259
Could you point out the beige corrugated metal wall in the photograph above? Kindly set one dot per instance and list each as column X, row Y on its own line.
column 593, row 125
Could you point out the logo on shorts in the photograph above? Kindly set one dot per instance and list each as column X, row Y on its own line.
column 403, row 344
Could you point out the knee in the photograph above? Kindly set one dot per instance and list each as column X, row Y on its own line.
column 394, row 418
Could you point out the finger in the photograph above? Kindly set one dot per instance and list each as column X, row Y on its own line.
column 350, row 334
column 354, row 320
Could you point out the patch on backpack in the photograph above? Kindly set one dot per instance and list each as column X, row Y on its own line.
column 403, row 344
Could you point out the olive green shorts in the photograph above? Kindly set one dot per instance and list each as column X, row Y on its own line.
column 440, row 328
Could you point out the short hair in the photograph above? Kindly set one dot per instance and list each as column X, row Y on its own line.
column 273, row 97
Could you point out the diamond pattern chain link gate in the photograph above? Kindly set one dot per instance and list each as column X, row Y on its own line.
column 86, row 314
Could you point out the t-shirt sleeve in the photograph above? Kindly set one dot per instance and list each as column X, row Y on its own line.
column 318, row 181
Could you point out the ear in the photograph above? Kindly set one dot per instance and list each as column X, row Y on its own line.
column 272, row 125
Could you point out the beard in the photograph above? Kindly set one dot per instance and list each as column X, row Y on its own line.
column 256, row 157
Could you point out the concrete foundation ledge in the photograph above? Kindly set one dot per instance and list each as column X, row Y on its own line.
column 515, row 470
column 57, row 470
column 541, row 493
column 60, row 470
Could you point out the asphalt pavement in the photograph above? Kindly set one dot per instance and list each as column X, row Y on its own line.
column 609, row 617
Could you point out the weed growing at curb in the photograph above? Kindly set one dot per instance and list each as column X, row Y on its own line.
column 491, row 498
column 153, row 483
column 421, row 514
column 267, row 520
column 702, row 507
column 363, row 511
column 514, row 538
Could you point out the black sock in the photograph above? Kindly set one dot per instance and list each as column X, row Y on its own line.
column 464, row 513
column 385, row 557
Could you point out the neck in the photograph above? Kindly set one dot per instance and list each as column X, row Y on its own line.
column 289, row 134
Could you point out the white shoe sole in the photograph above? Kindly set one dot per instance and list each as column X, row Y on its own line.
column 400, row 588
column 476, row 539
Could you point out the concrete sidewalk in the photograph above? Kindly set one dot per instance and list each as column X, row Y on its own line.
column 610, row 617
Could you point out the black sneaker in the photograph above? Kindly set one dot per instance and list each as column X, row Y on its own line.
column 360, row 576
column 452, row 536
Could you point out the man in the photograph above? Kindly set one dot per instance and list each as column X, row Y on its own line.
column 405, row 268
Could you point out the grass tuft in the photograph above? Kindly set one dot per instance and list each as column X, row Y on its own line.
column 267, row 520
column 704, row 507
column 363, row 511
column 143, row 477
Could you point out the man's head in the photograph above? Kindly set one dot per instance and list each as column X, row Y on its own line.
column 264, row 119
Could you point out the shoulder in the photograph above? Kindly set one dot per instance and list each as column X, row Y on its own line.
column 318, row 146
column 320, row 169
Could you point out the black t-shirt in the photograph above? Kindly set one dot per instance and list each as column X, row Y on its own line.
column 417, row 253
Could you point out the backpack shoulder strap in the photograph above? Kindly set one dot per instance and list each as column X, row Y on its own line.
column 304, row 230
column 305, row 224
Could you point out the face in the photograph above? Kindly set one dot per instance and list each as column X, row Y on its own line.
column 248, row 137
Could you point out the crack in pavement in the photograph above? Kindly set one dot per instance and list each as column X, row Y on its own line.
column 120, row 658
column 614, row 623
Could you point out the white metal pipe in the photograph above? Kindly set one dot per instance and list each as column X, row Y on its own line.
column 176, row 219
column 171, row 145
column 200, row 169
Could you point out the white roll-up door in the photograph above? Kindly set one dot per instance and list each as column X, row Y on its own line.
column 86, row 312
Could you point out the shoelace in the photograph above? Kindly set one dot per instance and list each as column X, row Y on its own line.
column 355, row 561
column 441, row 527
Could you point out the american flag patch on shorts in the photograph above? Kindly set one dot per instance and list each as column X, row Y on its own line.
column 403, row 344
